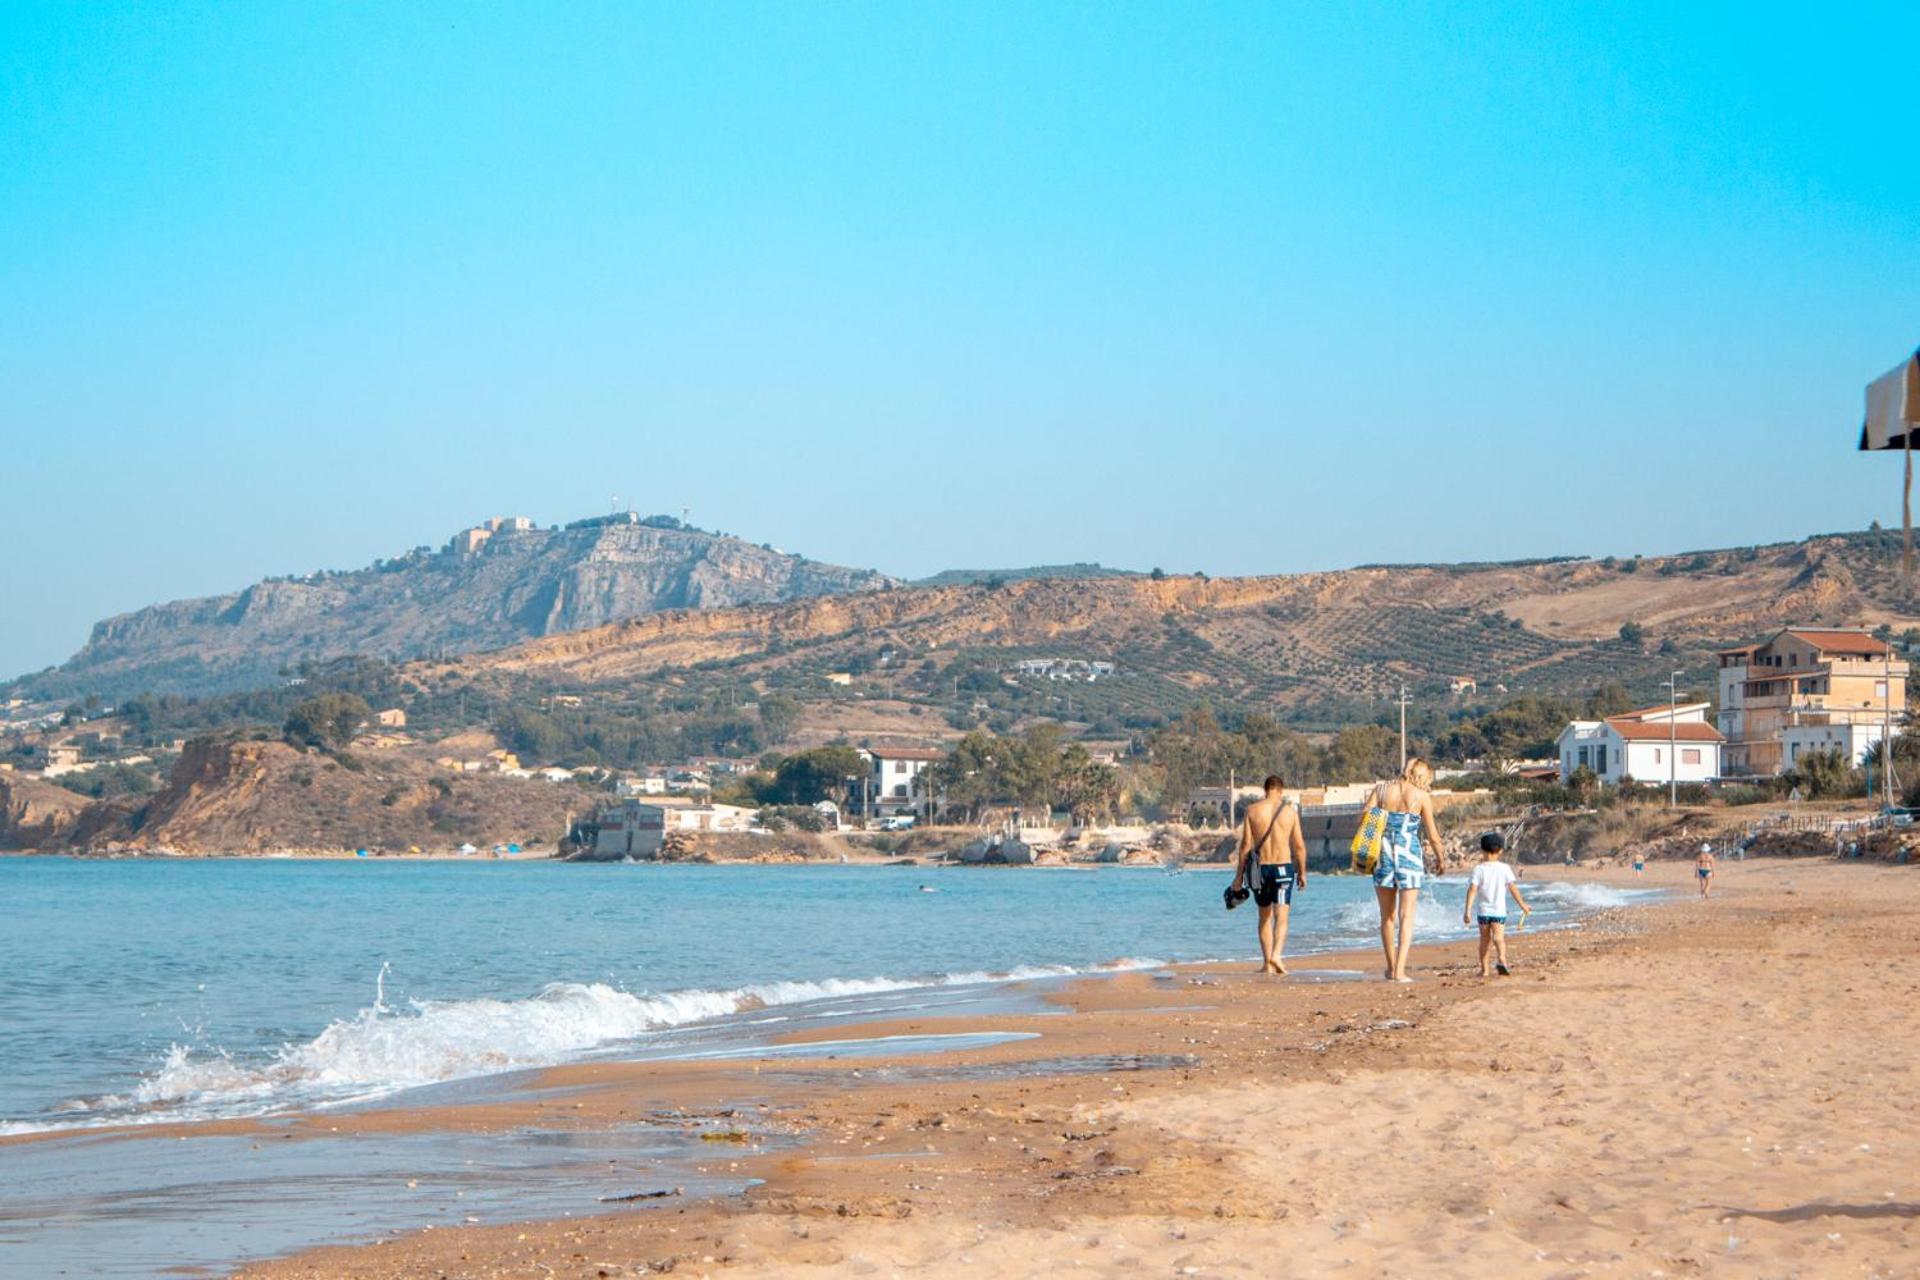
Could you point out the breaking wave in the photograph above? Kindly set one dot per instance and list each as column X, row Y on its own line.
column 1592, row 897
column 380, row 1050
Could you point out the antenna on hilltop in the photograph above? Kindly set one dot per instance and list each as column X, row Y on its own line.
column 613, row 504
column 683, row 515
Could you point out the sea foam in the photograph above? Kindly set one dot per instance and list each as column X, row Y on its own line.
column 380, row 1050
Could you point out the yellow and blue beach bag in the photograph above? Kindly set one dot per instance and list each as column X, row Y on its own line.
column 1366, row 840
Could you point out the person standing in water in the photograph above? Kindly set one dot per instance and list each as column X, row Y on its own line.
column 1402, row 868
column 1275, row 860
column 1703, row 870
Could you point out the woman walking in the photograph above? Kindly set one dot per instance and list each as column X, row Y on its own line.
column 1402, row 868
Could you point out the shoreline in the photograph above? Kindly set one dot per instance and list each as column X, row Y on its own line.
column 1135, row 1129
column 962, row 1000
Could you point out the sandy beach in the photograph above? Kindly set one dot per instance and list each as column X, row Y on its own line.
column 1691, row 1089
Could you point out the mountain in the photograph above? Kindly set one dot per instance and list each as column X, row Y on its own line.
column 1311, row 647
column 494, row 585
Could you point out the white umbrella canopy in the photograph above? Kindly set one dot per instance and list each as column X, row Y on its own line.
column 1893, row 418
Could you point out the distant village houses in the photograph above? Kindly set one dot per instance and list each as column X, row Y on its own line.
column 1064, row 668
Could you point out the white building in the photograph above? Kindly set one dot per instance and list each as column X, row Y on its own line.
column 1853, row 741
column 890, row 787
column 1654, row 745
column 633, row 829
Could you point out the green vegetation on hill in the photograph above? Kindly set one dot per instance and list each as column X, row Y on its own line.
column 962, row 577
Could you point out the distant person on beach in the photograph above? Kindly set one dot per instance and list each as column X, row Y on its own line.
column 1640, row 864
column 1703, row 870
column 1493, row 880
column 1271, row 859
column 1402, row 868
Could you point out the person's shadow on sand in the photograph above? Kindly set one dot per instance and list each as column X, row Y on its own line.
column 1828, row 1209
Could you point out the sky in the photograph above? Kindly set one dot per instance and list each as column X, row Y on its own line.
column 1235, row 288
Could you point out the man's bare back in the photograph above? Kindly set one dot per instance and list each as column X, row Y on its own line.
column 1272, row 834
column 1279, row 823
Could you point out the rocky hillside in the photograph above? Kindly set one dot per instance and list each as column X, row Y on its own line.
column 485, row 590
column 35, row 813
column 1284, row 641
column 239, row 796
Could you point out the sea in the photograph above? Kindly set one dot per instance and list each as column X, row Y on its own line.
column 143, row 991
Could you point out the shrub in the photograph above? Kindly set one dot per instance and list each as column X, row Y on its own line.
column 800, row 817
column 328, row 721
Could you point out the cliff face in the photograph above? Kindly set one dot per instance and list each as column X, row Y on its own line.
column 518, row 585
column 34, row 813
column 254, row 797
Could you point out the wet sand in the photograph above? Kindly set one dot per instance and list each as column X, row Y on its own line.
column 1690, row 1089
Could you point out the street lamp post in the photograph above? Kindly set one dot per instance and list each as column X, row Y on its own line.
column 1403, row 726
column 1673, row 740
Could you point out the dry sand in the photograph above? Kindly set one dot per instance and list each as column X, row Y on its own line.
column 1698, row 1089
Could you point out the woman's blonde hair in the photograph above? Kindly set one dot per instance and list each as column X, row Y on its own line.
column 1418, row 772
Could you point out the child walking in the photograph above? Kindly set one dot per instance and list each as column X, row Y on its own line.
column 1487, row 894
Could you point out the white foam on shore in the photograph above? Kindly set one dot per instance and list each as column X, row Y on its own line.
column 1590, row 896
column 380, row 1050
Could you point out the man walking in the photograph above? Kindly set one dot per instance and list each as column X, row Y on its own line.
column 1271, row 859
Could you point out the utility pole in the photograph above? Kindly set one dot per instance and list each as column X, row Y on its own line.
column 1403, row 726
column 1673, row 736
column 1886, row 730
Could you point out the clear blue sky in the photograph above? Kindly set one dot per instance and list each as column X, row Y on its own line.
column 1237, row 288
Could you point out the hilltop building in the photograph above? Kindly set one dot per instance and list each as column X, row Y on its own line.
column 1653, row 745
column 469, row 541
column 1808, row 689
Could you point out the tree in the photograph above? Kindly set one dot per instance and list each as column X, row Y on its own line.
column 779, row 716
column 1632, row 633
column 1609, row 699
column 1158, row 574
column 1362, row 753
column 1828, row 775
column 328, row 721
column 819, row 773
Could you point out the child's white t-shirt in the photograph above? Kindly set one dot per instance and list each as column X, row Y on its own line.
column 1491, row 880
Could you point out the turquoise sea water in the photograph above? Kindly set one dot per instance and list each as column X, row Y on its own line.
column 145, row 990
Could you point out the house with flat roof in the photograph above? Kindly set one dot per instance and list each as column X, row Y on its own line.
column 633, row 829
column 1808, row 689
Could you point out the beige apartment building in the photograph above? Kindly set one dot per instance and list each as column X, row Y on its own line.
column 1808, row 689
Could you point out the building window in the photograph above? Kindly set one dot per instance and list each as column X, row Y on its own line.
column 1657, row 754
column 1690, row 755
